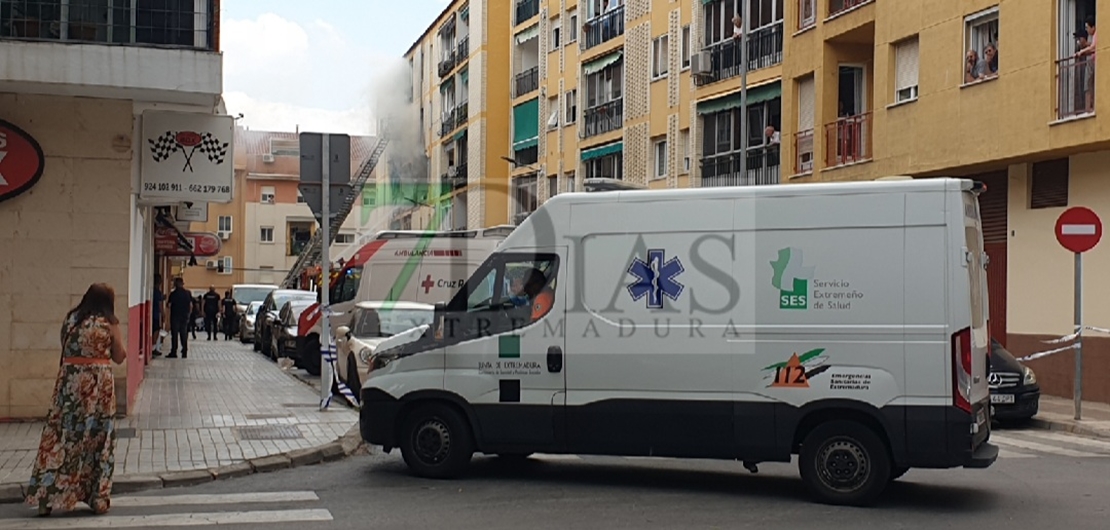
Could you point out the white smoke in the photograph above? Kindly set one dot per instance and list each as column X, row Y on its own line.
column 396, row 104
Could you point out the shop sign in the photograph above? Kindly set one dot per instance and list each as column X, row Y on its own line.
column 186, row 157
column 21, row 161
column 205, row 244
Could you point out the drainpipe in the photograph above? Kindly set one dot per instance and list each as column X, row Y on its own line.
column 744, row 89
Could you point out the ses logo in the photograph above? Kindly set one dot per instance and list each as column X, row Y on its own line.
column 792, row 279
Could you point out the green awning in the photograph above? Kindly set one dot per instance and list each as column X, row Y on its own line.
column 755, row 96
column 528, row 34
column 598, row 152
column 464, row 13
column 531, row 142
column 526, row 124
column 600, row 64
column 464, row 76
column 704, row 2
column 458, row 136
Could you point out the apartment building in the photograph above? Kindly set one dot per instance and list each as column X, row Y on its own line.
column 111, row 121
column 268, row 225
column 450, row 171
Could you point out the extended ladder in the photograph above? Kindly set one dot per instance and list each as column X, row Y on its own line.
column 311, row 254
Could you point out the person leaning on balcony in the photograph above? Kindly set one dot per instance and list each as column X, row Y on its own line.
column 990, row 68
column 1088, row 52
column 771, row 135
column 737, row 26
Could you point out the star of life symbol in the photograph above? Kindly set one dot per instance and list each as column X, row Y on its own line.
column 655, row 278
column 187, row 143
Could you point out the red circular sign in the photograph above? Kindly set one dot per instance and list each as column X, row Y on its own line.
column 1078, row 229
column 21, row 161
column 188, row 138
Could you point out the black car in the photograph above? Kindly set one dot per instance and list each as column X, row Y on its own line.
column 269, row 312
column 283, row 329
column 1015, row 395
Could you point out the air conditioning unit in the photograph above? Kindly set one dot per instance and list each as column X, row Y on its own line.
column 701, row 64
column 211, row 264
column 268, row 158
column 224, row 234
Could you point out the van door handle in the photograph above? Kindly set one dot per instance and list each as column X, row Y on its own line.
column 554, row 359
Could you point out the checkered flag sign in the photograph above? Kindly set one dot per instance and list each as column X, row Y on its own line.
column 214, row 148
column 164, row 146
column 187, row 143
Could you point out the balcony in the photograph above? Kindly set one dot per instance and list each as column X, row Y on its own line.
column 837, row 7
column 803, row 152
column 1075, row 87
column 168, row 54
column 848, row 140
column 447, row 64
column 603, row 28
column 527, row 156
column 526, row 81
column 448, row 123
column 526, row 9
column 764, row 50
column 463, row 49
column 603, row 118
column 462, row 114
column 728, row 169
column 455, row 177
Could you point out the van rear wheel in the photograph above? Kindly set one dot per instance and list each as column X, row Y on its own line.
column 436, row 442
column 844, row 463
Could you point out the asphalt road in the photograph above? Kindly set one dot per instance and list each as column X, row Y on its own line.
column 1043, row 480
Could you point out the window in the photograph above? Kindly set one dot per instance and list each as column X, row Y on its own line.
column 605, row 167
column 719, row 13
column 1049, row 185
column 499, row 296
column 344, row 239
column 552, row 186
column 905, row 73
column 981, row 46
column 268, row 195
column 685, row 47
column 660, row 57
column 570, row 181
column 524, row 194
column 227, row 266
column 555, row 30
column 300, row 197
column 572, row 106
column 280, row 147
column 572, row 31
column 345, row 287
column 266, row 234
column 224, row 224
column 660, row 158
column 684, row 151
column 553, row 119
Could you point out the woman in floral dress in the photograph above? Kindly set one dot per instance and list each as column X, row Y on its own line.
column 76, row 455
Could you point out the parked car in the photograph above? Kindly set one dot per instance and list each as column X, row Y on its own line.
column 283, row 329
column 246, row 326
column 269, row 311
column 1015, row 394
column 245, row 293
column 372, row 323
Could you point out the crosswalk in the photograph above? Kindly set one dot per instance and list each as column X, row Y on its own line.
column 183, row 510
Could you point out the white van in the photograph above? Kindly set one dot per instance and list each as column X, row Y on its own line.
column 845, row 323
column 398, row 265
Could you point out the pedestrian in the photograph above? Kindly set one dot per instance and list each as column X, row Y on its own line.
column 211, row 312
column 76, row 455
column 229, row 315
column 181, row 308
column 195, row 320
column 157, row 300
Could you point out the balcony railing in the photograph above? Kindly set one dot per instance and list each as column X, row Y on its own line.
column 803, row 151
column 840, row 6
column 848, row 140
column 464, row 49
column 764, row 50
column 526, row 9
column 602, row 28
column 447, row 64
column 448, row 123
column 807, row 13
column 456, row 178
column 1075, row 87
column 462, row 114
column 94, row 22
column 762, row 168
column 527, row 156
column 527, row 81
column 603, row 118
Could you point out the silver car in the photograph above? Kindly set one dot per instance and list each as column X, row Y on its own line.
column 246, row 327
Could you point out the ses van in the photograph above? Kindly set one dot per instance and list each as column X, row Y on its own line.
column 398, row 265
column 844, row 323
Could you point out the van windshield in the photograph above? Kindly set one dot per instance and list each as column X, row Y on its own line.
column 246, row 295
column 379, row 323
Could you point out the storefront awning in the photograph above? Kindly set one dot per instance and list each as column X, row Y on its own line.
column 598, row 152
column 528, row 34
column 756, row 95
column 526, row 125
column 598, row 65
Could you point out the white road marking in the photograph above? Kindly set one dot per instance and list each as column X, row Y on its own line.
column 172, row 519
column 1042, row 447
column 545, row 456
column 1078, row 230
column 230, row 498
column 1070, row 438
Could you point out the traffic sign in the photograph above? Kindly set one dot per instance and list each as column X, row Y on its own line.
column 338, row 160
column 1078, row 229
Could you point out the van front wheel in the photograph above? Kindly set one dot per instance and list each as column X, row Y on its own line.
column 844, row 463
column 436, row 442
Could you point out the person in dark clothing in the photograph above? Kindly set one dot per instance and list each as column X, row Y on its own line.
column 229, row 315
column 211, row 312
column 181, row 308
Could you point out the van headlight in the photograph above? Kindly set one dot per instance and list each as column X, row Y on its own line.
column 383, row 358
column 1030, row 377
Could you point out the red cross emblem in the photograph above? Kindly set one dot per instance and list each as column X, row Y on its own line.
column 427, row 284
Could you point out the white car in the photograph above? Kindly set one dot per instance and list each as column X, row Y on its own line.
column 246, row 327
column 372, row 323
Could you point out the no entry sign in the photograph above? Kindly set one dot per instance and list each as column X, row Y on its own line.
column 1078, row 229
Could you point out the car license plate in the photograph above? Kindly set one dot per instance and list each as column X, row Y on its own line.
column 1002, row 398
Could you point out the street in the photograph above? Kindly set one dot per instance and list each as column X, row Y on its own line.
column 1042, row 479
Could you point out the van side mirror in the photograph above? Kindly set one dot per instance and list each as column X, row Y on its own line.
column 343, row 332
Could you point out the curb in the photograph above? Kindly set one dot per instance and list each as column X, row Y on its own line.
column 1054, row 425
column 349, row 444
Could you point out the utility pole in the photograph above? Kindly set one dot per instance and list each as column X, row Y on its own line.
column 744, row 12
column 325, row 279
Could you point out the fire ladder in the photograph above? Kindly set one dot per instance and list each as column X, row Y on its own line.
column 311, row 254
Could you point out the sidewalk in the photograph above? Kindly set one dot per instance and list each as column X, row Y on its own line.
column 1058, row 414
column 225, row 411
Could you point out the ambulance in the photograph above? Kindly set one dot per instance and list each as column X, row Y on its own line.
column 844, row 325
column 397, row 265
